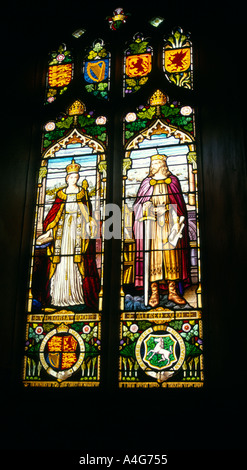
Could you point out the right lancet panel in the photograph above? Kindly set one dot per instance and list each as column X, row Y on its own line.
column 161, row 317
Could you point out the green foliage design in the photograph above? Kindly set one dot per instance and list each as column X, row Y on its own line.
column 170, row 113
column 178, row 39
column 65, row 123
column 192, row 350
column 85, row 122
column 128, row 350
column 97, row 52
column 138, row 46
column 60, row 56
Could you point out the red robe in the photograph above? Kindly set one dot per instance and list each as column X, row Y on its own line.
column 90, row 281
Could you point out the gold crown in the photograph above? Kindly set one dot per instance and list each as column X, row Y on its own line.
column 118, row 17
column 158, row 157
column 73, row 167
column 158, row 98
column 62, row 328
column 76, row 108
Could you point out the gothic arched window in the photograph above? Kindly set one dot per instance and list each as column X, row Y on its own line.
column 116, row 240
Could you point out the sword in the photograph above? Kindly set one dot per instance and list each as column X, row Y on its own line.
column 147, row 220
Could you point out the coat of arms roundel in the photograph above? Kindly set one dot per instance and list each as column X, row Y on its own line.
column 62, row 352
column 160, row 352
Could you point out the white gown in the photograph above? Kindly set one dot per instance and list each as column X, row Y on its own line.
column 66, row 283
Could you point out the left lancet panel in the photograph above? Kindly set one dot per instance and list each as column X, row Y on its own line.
column 63, row 329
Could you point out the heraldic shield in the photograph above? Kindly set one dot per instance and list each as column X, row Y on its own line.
column 96, row 70
column 160, row 352
column 138, row 65
column 62, row 352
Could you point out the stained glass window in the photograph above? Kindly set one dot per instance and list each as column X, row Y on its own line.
column 160, row 297
column 97, row 70
column 138, row 64
column 161, row 329
column 63, row 333
column 60, row 73
column 178, row 59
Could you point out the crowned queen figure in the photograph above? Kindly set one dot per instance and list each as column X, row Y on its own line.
column 69, row 229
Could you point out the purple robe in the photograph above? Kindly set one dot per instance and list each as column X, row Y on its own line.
column 175, row 197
